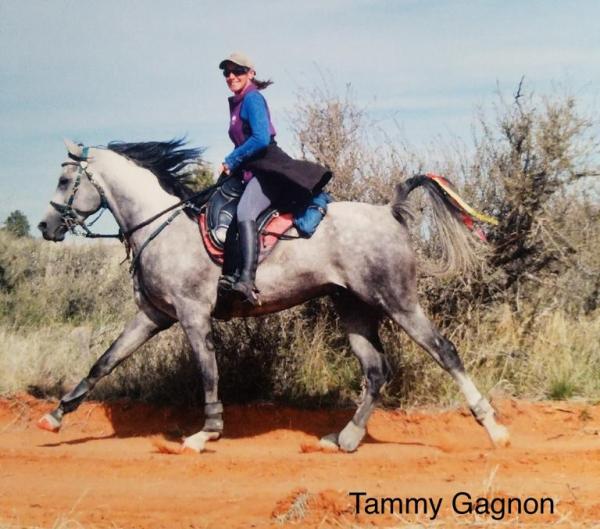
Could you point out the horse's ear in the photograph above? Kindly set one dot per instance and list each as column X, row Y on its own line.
column 73, row 148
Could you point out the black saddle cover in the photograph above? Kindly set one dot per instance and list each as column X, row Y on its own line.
column 221, row 208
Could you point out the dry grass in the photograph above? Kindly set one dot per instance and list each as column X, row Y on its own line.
column 299, row 356
column 526, row 324
column 506, row 355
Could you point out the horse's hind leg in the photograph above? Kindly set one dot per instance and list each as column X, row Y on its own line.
column 361, row 322
column 420, row 329
column 138, row 331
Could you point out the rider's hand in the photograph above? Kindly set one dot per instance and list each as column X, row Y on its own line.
column 224, row 169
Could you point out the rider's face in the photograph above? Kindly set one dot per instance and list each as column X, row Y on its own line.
column 236, row 78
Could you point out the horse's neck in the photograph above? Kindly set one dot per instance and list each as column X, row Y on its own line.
column 133, row 193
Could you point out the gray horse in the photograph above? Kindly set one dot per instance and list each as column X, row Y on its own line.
column 361, row 256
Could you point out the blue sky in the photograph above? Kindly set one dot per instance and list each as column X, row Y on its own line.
column 147, row 70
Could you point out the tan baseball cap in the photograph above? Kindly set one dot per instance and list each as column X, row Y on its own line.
column 237, row 58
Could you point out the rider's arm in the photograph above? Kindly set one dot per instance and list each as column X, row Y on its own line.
column 254, row 111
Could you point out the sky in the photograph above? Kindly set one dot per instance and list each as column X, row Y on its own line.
column 136, row 70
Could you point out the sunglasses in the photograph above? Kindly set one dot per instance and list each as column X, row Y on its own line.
column 235, row 70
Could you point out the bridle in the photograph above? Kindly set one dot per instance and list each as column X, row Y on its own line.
column 71, row 216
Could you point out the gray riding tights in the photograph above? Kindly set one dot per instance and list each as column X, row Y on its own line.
column 260, row 192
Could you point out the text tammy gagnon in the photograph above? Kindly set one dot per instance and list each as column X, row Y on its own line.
column 461, row 503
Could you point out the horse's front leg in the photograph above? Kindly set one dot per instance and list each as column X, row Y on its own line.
column 138, row 331
column 196, row 322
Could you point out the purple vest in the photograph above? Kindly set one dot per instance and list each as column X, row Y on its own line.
column 239, row 130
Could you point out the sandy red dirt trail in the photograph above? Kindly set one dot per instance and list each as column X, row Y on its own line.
column 104, row 468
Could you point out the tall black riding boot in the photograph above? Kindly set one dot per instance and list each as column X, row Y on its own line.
column 249, row 247
column 232, row 257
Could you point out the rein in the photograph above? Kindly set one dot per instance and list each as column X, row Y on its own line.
column 71, row 216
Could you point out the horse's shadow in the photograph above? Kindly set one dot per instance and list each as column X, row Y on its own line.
column 242, row 421
column 131, row 419
column 78, row 441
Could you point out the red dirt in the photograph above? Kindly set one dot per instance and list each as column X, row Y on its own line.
column 111, row 466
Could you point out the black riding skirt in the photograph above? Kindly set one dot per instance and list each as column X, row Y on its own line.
column 306, row 177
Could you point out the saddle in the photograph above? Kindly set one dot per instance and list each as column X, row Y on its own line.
column 218, row 212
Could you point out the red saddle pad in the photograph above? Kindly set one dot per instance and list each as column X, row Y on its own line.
column 269, row 236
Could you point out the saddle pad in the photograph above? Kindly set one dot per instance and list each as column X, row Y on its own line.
column 269, row 236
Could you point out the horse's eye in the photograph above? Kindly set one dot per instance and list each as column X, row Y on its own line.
column 63, row 181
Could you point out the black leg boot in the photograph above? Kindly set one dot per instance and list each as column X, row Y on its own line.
column 249, row 249
column 232, row 258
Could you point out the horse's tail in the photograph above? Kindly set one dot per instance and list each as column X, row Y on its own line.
column 452, row 219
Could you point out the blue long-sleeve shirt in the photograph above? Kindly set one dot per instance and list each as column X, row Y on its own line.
column 255, row 126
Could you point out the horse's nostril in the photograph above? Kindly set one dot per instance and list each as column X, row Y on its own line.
column 42, row 226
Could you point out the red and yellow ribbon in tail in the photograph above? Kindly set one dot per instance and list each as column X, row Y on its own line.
column 468, row 213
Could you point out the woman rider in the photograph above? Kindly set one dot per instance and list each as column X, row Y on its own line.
column 269, row 175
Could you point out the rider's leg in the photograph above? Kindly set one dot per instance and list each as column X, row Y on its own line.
column 249, row 249
column 232, row 259
column 258, row 195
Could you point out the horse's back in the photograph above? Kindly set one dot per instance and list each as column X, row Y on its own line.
column 355, row 243
column 360, row 216
column 365, row 228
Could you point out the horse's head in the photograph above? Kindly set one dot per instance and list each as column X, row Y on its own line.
column 77, row 196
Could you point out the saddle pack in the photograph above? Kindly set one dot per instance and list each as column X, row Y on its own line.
column 216, row 216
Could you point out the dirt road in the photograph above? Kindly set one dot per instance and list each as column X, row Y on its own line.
column 108, row 468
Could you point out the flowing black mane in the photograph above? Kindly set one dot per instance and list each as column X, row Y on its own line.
column 166, row 159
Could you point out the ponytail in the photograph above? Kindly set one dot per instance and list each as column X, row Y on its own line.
column 261, row 85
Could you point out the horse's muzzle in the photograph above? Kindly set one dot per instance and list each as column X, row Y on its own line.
column 57, row 236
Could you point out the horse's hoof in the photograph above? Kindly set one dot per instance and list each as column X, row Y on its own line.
column 329, row 442
column 49, row 423
column 350, row 437
column 499, row 436
column 497, row 433
column 212, row 436
column 197, row 442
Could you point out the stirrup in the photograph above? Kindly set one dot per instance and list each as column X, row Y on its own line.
column 226, row 282
column 249, row 291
